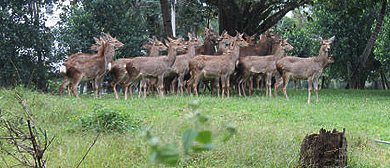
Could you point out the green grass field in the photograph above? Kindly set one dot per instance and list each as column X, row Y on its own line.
column 270, row 131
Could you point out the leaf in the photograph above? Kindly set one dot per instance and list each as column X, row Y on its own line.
column 205, row 147
column 168, row 154
column 152, row 156
column 188, row 137
column 231, row 131
column 204, row 137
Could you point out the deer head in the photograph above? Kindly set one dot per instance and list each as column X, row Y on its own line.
column 285, row 45
column 193, row 40
column 325, row 44
column 250, row 39
column 272, row 36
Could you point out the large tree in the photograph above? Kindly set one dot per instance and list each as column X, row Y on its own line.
column 252, row 16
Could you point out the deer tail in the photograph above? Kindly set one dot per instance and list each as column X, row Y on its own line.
column 63, row 69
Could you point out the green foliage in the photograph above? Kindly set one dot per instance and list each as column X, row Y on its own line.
column 103, row 119
column 195, row 137
column 26, row 55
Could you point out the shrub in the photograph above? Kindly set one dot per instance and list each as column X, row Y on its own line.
column 104, row 119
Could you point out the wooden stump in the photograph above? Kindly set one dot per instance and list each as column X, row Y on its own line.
column 326, row 149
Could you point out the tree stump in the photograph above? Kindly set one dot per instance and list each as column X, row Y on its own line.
column 326, row 149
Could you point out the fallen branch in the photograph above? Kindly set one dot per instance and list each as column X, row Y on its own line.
column 93, row 143
column 380, row 141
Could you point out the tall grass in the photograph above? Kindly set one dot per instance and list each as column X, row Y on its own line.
column 270, row 131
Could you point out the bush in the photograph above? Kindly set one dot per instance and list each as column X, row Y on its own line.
column 104, row 119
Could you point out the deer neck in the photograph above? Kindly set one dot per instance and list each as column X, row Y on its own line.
column 278, row 51
column 235, row 53
column 109, row 53
column 322, row 57
column 191, row 51
column 171, row 57
column 154, row 51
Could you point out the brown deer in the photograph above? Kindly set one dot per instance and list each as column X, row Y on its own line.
column 180, row 67
column 262, row 48
column 330, row 61
column 263, row 65
column 153, row 67
column 209, row 66
column 89, row 66
column 305, row 68
column 119, row 72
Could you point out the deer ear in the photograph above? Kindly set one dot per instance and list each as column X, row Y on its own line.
column 167, row 42
column 331, row 39
column 170, row 39
column 320, row 39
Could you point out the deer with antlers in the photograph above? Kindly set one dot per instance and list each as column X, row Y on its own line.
column 305, row 68
column 209, row 66
column 90, row 66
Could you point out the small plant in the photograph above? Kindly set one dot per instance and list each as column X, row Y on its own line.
column 104, row 119
column 196, row 138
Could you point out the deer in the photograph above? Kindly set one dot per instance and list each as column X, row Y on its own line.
column 180, row 67
column 209, row 66
column 263, row 48
column 308, row 69
column 89, row 66
column 153, row 67
column 118, row 71
column 263, row 65
column 330, row 61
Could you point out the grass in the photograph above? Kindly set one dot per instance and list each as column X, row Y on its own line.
column 270, row 131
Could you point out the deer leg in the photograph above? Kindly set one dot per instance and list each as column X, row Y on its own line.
column 285, row 82
column 296, row 84
column 160, row 85
column 228, row 86
column 315, row 83
column 223, row 82
column 113, row 85
column 76, row 80
column 310, row 85
column 250, row 85
column 64, row 84
column 262, row 84
column 173, row 85
column 97, row 87
column 277, row 83
column 195, row 84
column 180, row 84
column 258, row 79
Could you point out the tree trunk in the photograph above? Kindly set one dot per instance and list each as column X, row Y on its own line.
column 359, row 75
column 165, row 10
column 250, row 16
column 384, row 79
column 326, row 149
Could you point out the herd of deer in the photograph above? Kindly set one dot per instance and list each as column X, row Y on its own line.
column 236, row 59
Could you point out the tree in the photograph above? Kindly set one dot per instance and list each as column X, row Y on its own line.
column 358, row 76
column 165, row 10
column 252, row 16
column 25, row 44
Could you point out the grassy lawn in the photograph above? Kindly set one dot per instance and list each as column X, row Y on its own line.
column 270, row 131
